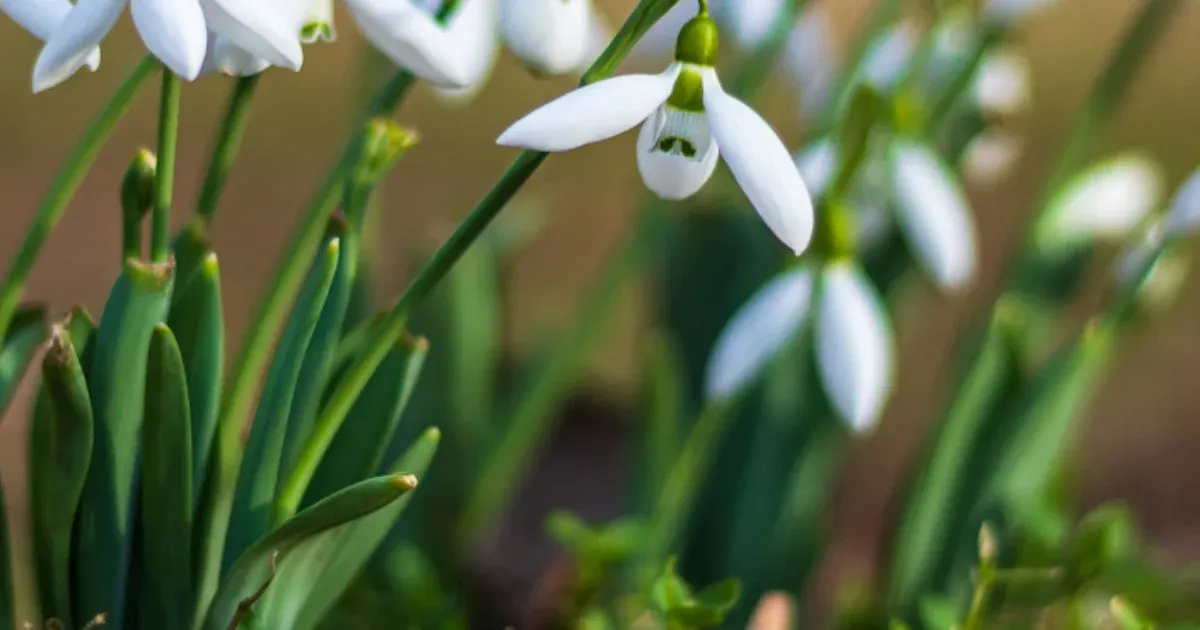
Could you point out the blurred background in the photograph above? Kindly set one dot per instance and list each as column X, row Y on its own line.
column 1142, row 436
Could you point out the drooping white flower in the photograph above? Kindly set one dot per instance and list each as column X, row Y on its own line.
column 889, row 56
column 990, row 156
column 474, row 27
column 854, row 345
column 689, row 120
column 749, row 21
column 811, row 58
column 933, row 212
column 1005, row 12
column 1002, row 85
column 1183, row 216
column 412, row 39
column 1106, row 201
column 42, row 17
column 818, row 164
column 759, row 330
column 550, row 37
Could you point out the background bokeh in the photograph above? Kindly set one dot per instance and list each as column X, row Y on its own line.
column 1141, row 439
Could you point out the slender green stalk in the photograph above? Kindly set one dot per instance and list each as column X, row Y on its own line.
column 229, row 142
column 975, row 613
column 643, row 17
column 164, row 182
column 957, row 85
column 883, row 14
column 65, row 184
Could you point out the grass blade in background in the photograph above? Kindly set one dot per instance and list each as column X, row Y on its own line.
column 312, row 580
column 255, row 567
column 251, row 517
column 60, row 445
column 7, row 609
column 939, row 499
column 165, row 598
column 357, row 451
column 659, row 433
column 26, row 332
column 474, row 332
column 198, row 324
column 116, row 383
column 320, row 354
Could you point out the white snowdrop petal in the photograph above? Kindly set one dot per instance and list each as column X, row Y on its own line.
column 761, row 165
column 1105, row 201
column 411, row 39
column 174, row 31
column 548, row 36
column 591, row 113
column 758, row 331
column 933, row 212
column 854, row 344
column 817, row 164
column 41, row 18
column 889, row 56
column 259, row 28
column 671, row 175
column 1002, row 84
column 990, row 157
column 1008, row 11
column 750, row 21
column 74, row 41
column 473, row 29
column 1135, row 260
column 811, row 58
column 318, row 22
column 599, row 35
column 225, row 57
column 1183, row 218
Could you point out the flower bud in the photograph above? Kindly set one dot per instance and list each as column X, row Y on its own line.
column 384, row 144
column 137, row 188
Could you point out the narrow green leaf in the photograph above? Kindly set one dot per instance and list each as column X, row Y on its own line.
column 251, row 517
column 60, row 450
column 939, row 499
column 255, row 567
column 198, row 323
column 191, row 248
column 116, row 383
column 165, row 595
column 7, row 611
column 26, row 332
column 357, row 451
column 473, row 337
column 659, row 438
column 320, row 354
column 311, row 583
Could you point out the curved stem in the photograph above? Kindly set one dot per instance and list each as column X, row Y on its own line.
column 229, row 142
column 164, row 179
column 66, row 183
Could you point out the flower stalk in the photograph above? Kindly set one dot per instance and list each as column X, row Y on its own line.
column 164, row 181
column 229, row 142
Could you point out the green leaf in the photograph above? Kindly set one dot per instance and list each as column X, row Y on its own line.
column 311, row 583
column 659, row 434
column 60, row 450
column 320, row 354
column 251, row 517
column 569, row 531
column 1107, row 536
column 357, row 450
column 473, row 337
column 721, row 597
column 191, row 248
column 7, row 610
column 165, row 598
column 26, row 332
column 256, row 566
column 865, row 109
column 942, row 495
column 198, row 324
column 669, row 591
column 939, row 613
column 116, row 383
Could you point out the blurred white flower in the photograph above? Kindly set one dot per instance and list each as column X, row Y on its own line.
column 817, row 165
column 933, row 213
column 889, row 56
column 954, row 39
column 749, row 21
column 811, row 59
column 1005, row 12
column 42, row 17
column 990, row 157
column 306, row 21
column 759, row 330
column 1105, row 202
column 689, row 120
column 854, row 343
column 411, row 38
column 1183, row 217
column 550, row 37
column 1002, row 85
column 476, row 30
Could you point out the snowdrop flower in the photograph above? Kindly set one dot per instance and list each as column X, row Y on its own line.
column 412, row 39
column 1105, row 202
column 475, row 29
column 888, row 57
column 749, row 21
column 551, row 37
column 854, row 342
column 1005, row 12
column 811, row 59
column 1183, row 218
column 42, row 17
column 990, row 156
column 1152, row 252
column 818, row 164
column 933, row 213
column 1001, row 86
column 689, row 120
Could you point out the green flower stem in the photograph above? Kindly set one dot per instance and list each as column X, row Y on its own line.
column 883, row 14
column 975, row 614
column 949, row 95
column 229, row 142
column 65, row 184
column 389, row 330
column 164, row 181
